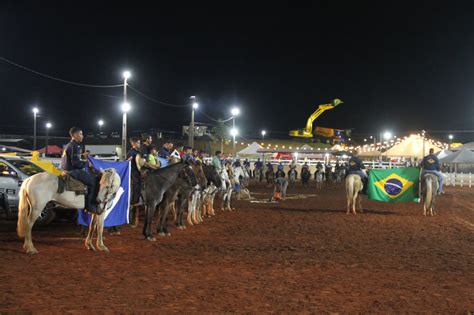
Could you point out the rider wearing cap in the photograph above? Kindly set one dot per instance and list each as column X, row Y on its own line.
column 74, row 165
column 430, row 164
column 356, row 167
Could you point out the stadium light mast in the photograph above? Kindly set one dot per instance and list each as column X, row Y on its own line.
column 125, row 108
column 194, row 106
column 235, row 111
column 35, row 114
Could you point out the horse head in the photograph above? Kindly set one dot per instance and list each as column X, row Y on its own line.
column 200, row 176
column 188, row 174
column 212, row 175
column 108, row 186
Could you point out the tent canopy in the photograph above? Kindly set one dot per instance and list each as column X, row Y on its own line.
column 251, row 149
column 443, row 154
column 468, row 146
column 463, row 156
column 412, row 146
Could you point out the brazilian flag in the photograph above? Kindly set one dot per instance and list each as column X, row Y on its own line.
column 394, row 185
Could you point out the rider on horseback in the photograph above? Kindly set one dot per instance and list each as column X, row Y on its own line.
column 217, row 162
column 356, row 167
column 72, row 164
column 280, row 172
column 430, row 164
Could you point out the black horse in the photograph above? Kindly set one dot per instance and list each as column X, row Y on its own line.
column 184, row 184
column 156, row 184
column 212, row 175
column 305, row 176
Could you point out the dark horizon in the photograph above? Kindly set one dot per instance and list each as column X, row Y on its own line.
column 396, row 67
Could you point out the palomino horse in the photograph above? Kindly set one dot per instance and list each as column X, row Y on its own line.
column 429, row 189
column 354, row 186
column 39, row 189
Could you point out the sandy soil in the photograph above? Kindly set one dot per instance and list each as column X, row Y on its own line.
column 299, row 255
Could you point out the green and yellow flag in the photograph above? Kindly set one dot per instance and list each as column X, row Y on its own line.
column 394, row 185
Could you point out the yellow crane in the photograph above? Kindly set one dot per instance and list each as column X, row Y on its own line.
column 308, row 131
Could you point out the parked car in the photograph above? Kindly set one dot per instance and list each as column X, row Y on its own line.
column 13, row 171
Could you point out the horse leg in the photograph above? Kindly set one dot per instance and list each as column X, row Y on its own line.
column 190, row 210
column 100, row 232
column 359, row 197
column 136, row 213
column 30, row 221
column 348, row 204
column 354, row 202
column 163, row 226
column 149, row 214
column 90, row 234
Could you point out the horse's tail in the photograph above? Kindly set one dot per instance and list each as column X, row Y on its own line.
column 428, row 192
column 24, row 207
column 350, row 187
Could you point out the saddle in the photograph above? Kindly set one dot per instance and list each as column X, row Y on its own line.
column 67, row 183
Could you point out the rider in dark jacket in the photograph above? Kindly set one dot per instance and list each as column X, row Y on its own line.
column 355, row 167
column 72, row 163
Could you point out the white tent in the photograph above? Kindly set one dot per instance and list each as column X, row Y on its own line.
column 469, row 146
column 337, row 147
column 411, row 146
column 251, row 149
column 463, row 156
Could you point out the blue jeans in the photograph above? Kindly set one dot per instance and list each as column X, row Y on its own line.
column 89, row 181
column 440, row 178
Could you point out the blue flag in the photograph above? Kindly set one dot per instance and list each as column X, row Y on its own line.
column 117, row 211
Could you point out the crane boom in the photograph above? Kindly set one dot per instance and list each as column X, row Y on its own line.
column 308, row 131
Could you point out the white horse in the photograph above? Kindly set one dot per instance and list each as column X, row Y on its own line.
column 319, row 180
column 37, row 190
column 354, row 186
column 429, row 189
column 240, row 172
column 227, row 187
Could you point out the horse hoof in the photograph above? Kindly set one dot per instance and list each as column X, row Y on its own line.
column 168, row 234
column 161, row 234
column 151, row 239
column 90, row 247
column 134, row 225
column 32, row 251
column 104, row 249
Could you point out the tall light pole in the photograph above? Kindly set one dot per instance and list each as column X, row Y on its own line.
column 235, row 112
column 100, row 123
column 263, row 134
column 450, row 141
column 194, row 106
column 386, row 135
column 48, row 126
column 35, row 113
column 234, row 132
column 125, row 109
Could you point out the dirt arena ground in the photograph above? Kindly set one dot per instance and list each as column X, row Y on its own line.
column 300, row 255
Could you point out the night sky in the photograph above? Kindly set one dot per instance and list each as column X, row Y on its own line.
column 400, row 67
